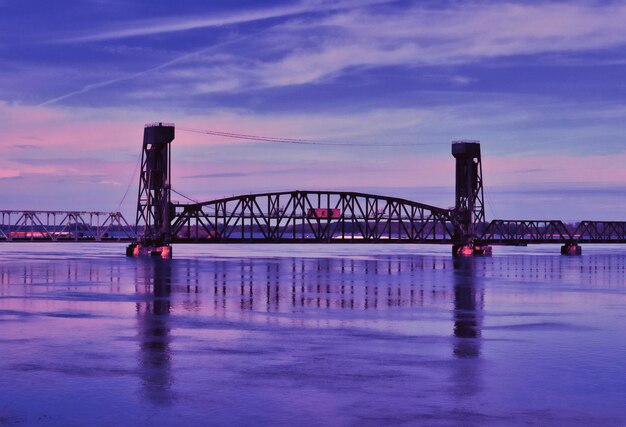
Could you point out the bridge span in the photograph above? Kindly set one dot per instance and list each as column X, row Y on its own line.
column 300, row 216
column 311, row 216
column 65, row 226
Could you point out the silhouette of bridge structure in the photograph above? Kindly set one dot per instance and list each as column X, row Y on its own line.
column 301, row 216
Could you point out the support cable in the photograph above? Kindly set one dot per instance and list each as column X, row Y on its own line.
column 182, row 195
column 298, row 141
column 132, row 178
column 491, row 208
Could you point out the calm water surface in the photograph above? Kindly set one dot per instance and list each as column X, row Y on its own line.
column 311, row 335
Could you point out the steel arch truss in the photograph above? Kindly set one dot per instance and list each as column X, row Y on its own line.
column 311, row 216
column 57, row 226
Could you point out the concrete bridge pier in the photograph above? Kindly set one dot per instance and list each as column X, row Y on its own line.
column 138, row 249
column 460, row 250
column 571, row 249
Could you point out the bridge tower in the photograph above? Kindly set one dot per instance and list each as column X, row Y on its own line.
column 469, row 199
column 153, row 199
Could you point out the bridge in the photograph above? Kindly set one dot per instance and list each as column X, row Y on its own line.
column 64, row 226
column 301, row 216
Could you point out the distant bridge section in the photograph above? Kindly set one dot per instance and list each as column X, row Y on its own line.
column 526, row 232
column 60, row 226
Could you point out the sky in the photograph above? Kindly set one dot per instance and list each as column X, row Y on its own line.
column 539, row 83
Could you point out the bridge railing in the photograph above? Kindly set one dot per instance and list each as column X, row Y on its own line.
column 59, row 226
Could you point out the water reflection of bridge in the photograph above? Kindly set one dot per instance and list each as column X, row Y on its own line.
column 228, row 287
column 290, row 292
column 280, row 284
column 297, row 286
column 153, row 332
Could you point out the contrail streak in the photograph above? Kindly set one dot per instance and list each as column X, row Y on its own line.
column 90, row 87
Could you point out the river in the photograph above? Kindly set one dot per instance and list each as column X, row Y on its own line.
column 311, row 335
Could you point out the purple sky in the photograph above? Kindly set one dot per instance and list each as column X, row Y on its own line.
column 541, row 84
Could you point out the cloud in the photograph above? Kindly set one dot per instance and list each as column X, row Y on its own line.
column 306, row 46
column 131, row 76
column 593, row 170
column 9, row 173
column 25, row 146
column 412, row 37
column 263, row 172
column 217, row 175
column 186, row 23
column 530, row 171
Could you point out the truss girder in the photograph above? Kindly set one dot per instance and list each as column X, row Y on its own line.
column 525, row 232
column 311, row 216
column 57, row 226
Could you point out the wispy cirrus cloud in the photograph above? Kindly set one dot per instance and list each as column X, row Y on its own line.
column 418, row 36
column 303, row 47
column 485, row 29
column 186, row 23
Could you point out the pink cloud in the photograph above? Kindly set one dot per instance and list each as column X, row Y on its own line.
column 591, row 169
column 9, row 173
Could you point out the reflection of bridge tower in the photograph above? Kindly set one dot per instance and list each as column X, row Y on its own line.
column 468, row 305
column 466, row 373
column 153, row 200
column 469, row 203
column 154, row 331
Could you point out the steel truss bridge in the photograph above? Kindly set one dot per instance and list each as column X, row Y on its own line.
column 311, row 216
column 521, row 233
column 300, row 216
column 64, row 226
column 289, row 217
column 253, row 219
